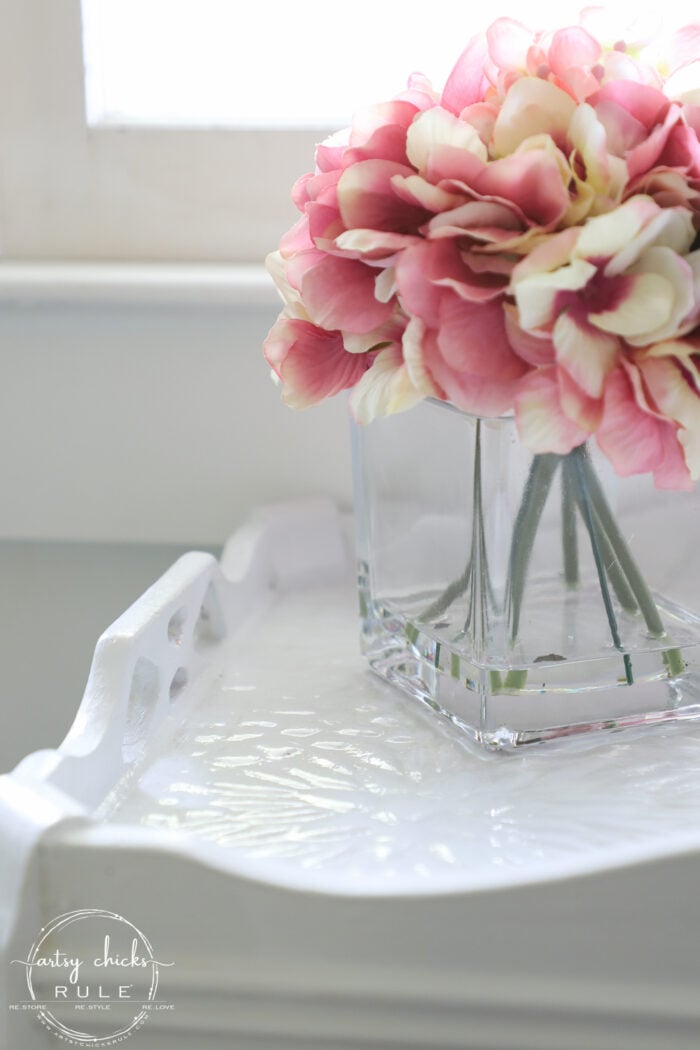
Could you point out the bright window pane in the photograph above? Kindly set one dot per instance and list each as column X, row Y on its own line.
column 273, row 64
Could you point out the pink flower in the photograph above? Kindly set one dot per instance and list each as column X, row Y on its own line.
column 525, row 241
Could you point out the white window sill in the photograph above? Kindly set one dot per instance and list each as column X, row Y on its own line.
column 126, row 283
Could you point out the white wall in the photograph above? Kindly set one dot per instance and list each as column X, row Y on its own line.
column 137, row 410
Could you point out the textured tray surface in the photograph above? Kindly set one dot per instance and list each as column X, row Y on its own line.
column 292, row 753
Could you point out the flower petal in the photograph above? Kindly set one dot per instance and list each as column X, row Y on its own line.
column 542, row 425
column 535, row 348
column 581, row 409
column 472, row 338
column 586, row 354
column 645, row 305
column 509, row 42
column 366, row 198
column 440, row 127
column 339, row 294
column 384, row 388
column 531, row 107
column 678, row 401
column 572, row 47
column 466, row 83
column 605, row 235
column 628, row 436
column 678, row 275
column 311, row 362
column 537, row 295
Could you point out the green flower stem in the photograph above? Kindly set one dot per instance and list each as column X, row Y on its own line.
column 525, row 529
column 452, row 592
column 568, row 526
column 588, row 517
column 673, row 658
column 619, row 546
column 614, row 572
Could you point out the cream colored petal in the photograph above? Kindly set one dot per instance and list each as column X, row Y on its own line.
column 536, row 294
column 413, row 357
column 438, row 127
column 669, row 228
column 679, row 402
column 587, row 355
column 647, row 307
column 275, row 265
column 679, row 275
column 417, row 190
column 606, row 235
column 384, row 388
column 385, row 284
column 531, row 107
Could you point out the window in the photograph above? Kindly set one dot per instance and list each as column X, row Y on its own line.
column 186, row 153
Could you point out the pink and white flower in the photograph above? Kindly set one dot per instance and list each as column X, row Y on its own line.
column 524, row 241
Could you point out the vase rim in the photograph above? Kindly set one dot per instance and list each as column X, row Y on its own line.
column 506, row 417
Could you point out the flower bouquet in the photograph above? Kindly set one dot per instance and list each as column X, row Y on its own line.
column 515, row 260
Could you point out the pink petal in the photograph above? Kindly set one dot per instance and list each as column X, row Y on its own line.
column 572, row 47
column 672, row 472
column 532, row 180
column 299, row 262
column 311, row 362
column 339, row 293
column 418, row 295
column 373, row 244
column 472, row 338
column 416, row 190
column 367, row 199
column 297, row 239
column 646, row 104
column 623, row 131
column 534, row 349
column 482, row 116
column 509, row 42
column 386, row 143
column 541, row 423
column 583, row 410
column 484, row 397
column 325, row 225
column 373, row 118
column 629, row 437
column 300, row 194
column 441, row 264
column 466, row 83
column 682, row 149
column 329, row 158
column 483, row 220
column 647, row 153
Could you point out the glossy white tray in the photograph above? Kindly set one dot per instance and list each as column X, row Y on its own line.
column 230, row 721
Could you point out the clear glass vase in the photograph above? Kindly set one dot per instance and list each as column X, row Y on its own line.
column 526, row 597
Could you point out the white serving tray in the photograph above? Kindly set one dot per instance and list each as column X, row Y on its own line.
column 330, row 863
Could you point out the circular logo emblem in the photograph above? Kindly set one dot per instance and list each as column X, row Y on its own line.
column 93, row 977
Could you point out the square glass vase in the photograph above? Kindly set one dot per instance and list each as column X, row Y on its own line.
column 525, row 597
